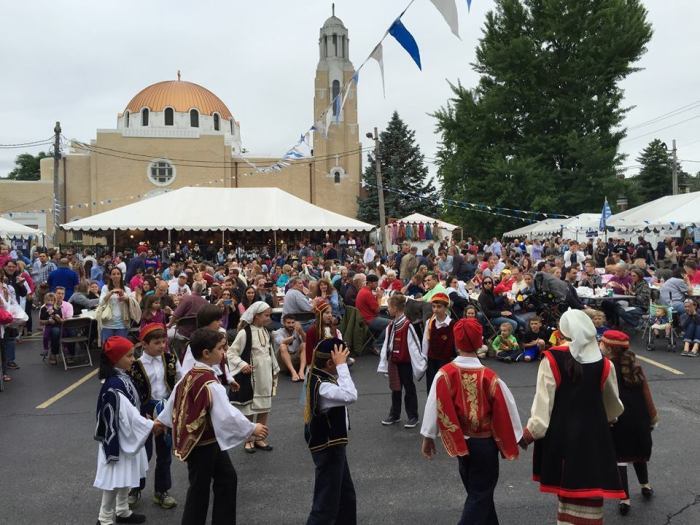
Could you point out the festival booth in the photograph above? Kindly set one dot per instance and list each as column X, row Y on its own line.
column 18, row 235
column 667, row 216
column 578, row 227
column 249, row 212
column 418, row 229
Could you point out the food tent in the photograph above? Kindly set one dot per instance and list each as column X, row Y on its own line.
column 219, row 209
column 669, row 214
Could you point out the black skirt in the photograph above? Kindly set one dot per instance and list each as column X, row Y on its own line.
column 632, row 431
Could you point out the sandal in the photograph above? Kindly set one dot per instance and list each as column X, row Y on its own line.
column 267, row 448
column 6, row 379
column 249, row 449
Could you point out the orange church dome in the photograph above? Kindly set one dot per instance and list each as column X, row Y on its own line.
column 180, row 95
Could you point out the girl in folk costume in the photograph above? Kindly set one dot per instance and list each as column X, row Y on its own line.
column 575, row 400
column 402, row 359
column 321, row 329
column 438, row 339
column 632, row 431
column 122, row 432
column 421, row 231
column 476, row 416
column 253, row 364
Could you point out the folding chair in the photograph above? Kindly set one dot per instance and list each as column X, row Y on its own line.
column 76, row 332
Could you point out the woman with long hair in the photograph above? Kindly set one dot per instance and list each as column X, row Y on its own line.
column 115, row 296
column 249, row 297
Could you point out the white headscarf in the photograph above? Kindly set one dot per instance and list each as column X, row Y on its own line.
column 254, row 309
column 578, row 327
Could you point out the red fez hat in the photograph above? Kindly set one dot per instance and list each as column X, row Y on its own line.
column 440, row 297
column 116, row 347
column 150, row 327
column 616, row 338
column 469, row 335
column 321, row 306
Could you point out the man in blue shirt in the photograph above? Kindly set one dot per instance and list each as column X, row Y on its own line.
column 65, row 277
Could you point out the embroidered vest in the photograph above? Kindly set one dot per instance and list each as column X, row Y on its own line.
column 441, row 341
column 325, row 429
column 140, row 378
column 191, row 421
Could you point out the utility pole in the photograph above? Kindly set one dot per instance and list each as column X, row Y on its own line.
column 380, row 191
column 674, row 169
column 56, row 185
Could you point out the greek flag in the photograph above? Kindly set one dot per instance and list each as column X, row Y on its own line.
column 605, row 215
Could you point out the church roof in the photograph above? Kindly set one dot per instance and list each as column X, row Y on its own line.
column 333, row 21
column 179, row 95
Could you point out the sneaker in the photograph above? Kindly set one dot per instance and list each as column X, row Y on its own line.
column 693, row 354
column 134, row 497
column 411, row 423
column 131, row 518
column 351, row 361
column 12, row 365
column 164, row 500
column 624, row 508
column 52, row 359
column 390, row 420
column 685, row 353
column 647, row 493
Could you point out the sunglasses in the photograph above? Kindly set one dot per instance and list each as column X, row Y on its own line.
column 488, row 282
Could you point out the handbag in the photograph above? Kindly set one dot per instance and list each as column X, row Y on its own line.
column 244, row 394
column 104, row 312
column 5, row 317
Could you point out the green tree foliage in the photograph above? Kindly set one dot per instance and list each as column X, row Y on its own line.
column 655, row 177
column 27, row 166
column 404, row 175
column 541, row 130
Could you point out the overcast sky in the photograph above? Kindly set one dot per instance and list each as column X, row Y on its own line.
column 81, row 62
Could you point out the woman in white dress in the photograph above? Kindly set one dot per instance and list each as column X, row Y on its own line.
column 254, row 366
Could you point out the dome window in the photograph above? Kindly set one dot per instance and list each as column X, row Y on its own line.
column 169, row 116
column 144, row 117
column 217, row 124
column 161, row 172
column 126, row 119
column 194, row 118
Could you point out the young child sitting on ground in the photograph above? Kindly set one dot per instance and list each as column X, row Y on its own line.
column 661, row 322
column 534, row 340
column 506, row 345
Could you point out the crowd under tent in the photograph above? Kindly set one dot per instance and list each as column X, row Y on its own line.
column 238, row 212
column 667, row 214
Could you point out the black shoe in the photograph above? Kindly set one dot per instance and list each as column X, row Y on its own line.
column 249, row 450
column 390, row 420
column 133, row 518
column 647, row 493
column 624, row 509
column 411, row 423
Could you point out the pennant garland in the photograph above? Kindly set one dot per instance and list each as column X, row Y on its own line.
column 378, row 55
column 448, row 10
column 406, row 40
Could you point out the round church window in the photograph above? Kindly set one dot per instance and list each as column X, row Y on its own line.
column 161, row 172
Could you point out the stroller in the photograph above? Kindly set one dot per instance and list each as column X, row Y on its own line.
column 550, row 298
column 666, row 330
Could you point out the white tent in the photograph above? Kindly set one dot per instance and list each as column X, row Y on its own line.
column 445, row 230
column 667, row 213
column 10, row 228
column 220, row 209
column 570, row 228
column 419, row 217
column 523, row 231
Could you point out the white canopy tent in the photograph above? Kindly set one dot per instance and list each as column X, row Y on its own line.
column 419, row 217
column 668, row 213
column 445, row 229
column 570, row 228
column 219, row 209
column 10, row 228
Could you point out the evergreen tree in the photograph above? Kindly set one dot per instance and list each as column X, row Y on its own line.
column 541, row 129
column 404, row 176
column 27, row 166
column 655, row 177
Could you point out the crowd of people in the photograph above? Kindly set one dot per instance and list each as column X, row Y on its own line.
column 236, row 322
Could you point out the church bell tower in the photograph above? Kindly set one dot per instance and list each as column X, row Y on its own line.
column 337, row 152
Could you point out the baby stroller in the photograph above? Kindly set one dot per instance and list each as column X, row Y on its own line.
column 550, row 298
column 665, row 330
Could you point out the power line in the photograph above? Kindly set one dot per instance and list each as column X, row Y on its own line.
column 660, row 129
column 672, row 113
column 22, row 144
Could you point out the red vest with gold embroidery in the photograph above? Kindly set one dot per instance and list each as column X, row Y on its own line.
column 441, row 341
column 191, row 421
column 470, row 403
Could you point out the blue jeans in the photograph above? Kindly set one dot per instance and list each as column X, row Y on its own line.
column 498, row 321
column 109, row 332
column 690, row 335
column 378, row 328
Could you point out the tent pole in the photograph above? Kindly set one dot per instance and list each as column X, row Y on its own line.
column 169, row 243
column 274, row 236
column 223, row 239
column 114, row 243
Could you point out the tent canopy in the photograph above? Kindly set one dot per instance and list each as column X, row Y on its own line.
column 10, row 228
column 419, row 217
column 217, row 209
column 667, row 213
column 579, row 224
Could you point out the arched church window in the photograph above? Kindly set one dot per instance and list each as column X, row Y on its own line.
column 335, row 45
column 232, row 133
column 169, row 117
column 335, row 93
column 161, row 172
column 126, row 119
column 217, row 126
column 194, row 118
column 144, row 117
column 336, row 177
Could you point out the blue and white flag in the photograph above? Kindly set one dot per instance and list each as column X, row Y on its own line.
column 604, row 216
column 469, row 5
column 405, row 38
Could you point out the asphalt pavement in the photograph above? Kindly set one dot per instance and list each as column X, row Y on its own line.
column 48, row 456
